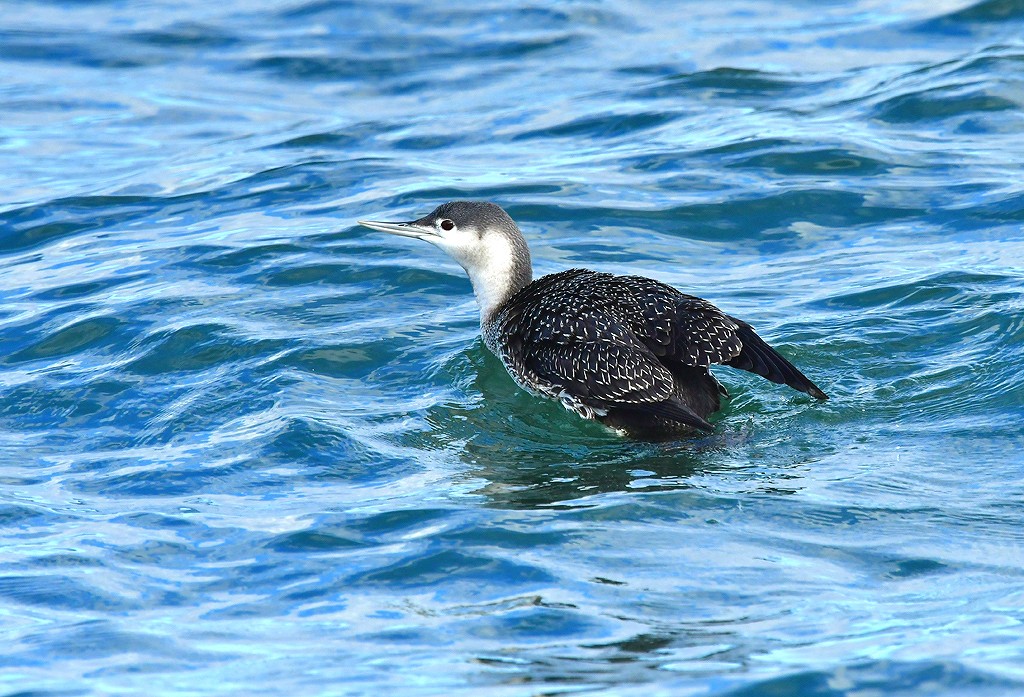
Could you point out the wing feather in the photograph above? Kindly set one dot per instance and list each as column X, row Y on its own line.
column 605, row 341
column 602, row 373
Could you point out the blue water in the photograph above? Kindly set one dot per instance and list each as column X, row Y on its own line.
column 247, row 447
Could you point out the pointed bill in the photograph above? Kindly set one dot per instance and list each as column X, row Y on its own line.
column 409, row 229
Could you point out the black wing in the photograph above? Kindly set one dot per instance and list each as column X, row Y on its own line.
column 699, row 334
column 605, row 341
column 569, row 336
column 606, row 374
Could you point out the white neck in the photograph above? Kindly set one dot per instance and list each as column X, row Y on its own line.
column 497, row 270
column 492, row 287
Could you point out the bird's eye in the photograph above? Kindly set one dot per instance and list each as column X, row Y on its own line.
column 447, row 225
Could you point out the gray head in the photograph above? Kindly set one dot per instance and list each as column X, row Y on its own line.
column 483, row 239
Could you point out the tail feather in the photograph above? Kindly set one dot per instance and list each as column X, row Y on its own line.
column 678, row 411
column 760, row 358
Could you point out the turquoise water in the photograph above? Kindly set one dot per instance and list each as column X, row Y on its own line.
column 247, row 447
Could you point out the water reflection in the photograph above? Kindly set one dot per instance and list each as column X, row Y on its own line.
column 533, row 454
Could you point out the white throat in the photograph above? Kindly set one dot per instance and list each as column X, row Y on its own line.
column 495, row 270
column 492, row 287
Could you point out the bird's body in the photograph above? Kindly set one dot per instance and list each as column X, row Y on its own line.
column 628, row 351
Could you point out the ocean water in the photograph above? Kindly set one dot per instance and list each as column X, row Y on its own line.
column 248, row 447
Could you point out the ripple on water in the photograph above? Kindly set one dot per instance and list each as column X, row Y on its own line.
column 245, row 442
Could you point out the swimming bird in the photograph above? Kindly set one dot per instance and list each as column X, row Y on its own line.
column 628, row 351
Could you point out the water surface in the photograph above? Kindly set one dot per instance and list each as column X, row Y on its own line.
column 249, row 447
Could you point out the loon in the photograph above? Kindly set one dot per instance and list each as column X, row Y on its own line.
column 627, row 351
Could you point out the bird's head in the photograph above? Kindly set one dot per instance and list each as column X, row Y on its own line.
column 482, row 238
